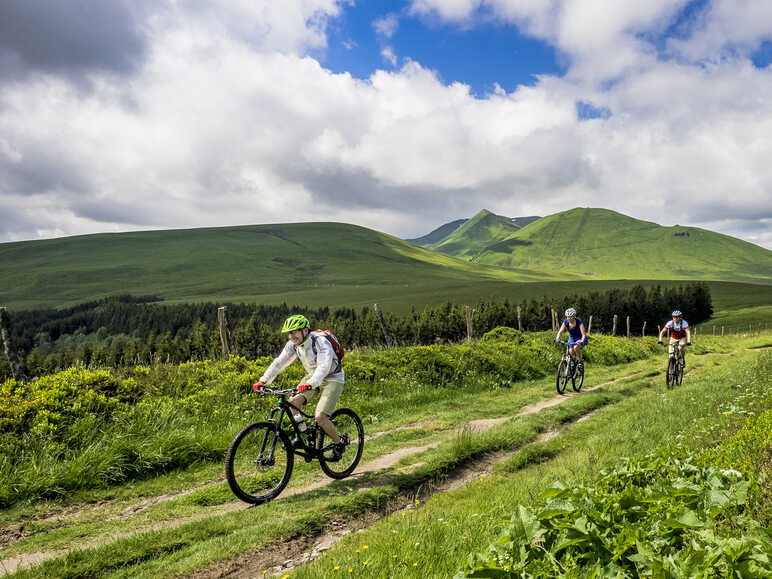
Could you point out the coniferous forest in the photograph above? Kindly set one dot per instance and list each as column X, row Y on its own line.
column 125, row 330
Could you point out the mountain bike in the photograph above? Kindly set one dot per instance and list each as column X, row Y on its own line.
column 260, row 459
column 569, row 369
column 675, row 366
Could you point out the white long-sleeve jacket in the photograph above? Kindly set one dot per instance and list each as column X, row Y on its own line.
column 319, row 366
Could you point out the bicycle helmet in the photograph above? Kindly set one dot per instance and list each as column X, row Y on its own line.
column 295, row 322
column 676, row 313
column 570, row 313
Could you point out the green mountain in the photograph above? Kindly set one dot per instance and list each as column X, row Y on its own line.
column 302, row 263
column 474, row 235
column 438, row 234
column 603, row 244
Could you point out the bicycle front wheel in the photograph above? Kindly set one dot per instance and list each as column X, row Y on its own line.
column 671, row 370
column 351, row 432
column 561, row 380
column 578, row 378
column 259, row 463
column 680, row 372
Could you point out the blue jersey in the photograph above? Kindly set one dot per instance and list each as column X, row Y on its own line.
column 575, row 332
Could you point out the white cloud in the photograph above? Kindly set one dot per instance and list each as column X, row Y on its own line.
column 229, row 121
column 387, row 26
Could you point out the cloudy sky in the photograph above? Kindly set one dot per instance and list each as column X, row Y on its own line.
column 119, row 115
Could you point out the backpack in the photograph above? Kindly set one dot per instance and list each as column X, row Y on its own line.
column 336, row 347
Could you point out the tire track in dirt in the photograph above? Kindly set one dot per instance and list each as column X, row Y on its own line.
column 27, row 559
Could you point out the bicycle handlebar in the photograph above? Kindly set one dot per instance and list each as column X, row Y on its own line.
column 265, row 391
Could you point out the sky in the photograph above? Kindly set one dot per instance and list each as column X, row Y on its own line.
column 400, row 116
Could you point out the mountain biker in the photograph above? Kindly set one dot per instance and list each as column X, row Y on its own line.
column 577, row 337
column 324, row 374
column 680, row 333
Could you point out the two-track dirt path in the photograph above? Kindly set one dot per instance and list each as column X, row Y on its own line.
column 454, row 480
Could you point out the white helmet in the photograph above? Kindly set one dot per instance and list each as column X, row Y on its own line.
column 570, row 313
column 676, row 313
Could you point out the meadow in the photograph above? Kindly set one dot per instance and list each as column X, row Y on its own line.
column 119, row 472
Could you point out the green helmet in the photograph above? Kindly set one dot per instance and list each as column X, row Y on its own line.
column 295, row 322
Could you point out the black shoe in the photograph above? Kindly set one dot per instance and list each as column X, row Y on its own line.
column 337, row 451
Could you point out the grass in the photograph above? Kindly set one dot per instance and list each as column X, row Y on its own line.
column 631, row 416
column 355, row 267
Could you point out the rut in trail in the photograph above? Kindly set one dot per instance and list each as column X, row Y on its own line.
column 464, row 474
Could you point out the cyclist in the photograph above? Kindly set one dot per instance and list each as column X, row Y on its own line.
column 680, row 333
column 577, row 337
column 324, row 374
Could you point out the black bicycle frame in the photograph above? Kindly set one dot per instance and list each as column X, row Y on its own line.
column 286, row 408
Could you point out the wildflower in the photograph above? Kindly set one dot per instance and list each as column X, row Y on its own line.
column 365, row 547
column 364, row 563
column 417, row 502
column 350, row 570
column 394, row 556
column 732, row 472
column 415, row 563
column 285, row 576
column 336, row 568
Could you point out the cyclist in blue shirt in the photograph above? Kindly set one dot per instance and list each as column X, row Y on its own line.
column 577, row 336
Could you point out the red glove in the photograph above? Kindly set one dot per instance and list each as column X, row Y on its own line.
column 304, row 387
column 257, row 386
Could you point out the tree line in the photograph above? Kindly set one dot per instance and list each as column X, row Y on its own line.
column 130, row 330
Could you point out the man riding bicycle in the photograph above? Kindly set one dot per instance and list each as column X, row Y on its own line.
column 577, row 337
column 324, row 374
column 680, row 334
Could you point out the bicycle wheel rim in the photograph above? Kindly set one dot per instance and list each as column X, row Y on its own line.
column 578, row 379
column 669, row 378
column 560, row 381
column 349, row 426
column 250, row 473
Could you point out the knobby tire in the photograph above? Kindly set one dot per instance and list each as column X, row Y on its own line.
column 348, row 425
column 561, row 380
column 251, row 479
column 578, row 378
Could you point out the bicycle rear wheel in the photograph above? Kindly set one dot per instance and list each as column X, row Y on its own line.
column 259, row 463
column 578, row 378
column 561, row 380
column 350, row 430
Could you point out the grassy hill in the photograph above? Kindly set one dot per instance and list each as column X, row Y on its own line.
column 603, row 244
column 474, row 235
column 438, row 234
column 315, row 263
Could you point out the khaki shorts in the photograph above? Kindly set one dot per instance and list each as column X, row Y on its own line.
column 673, row 342
column 328, row 393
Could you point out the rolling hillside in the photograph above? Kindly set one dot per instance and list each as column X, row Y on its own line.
column 467, row 238
column 318, row 263
column 603, row 244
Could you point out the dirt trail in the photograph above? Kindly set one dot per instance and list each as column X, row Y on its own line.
column 458, row 479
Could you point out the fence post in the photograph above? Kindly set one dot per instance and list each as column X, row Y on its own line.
column 379, row 313
column 643, row 333
column 469, row 327
column 714, row 331
column 628, row 326
column 614, row 327
column 10, row 351
column 222, row 321
column 722, row 331
column 589, row 327
column 554, row 320
column 519, row 320
column 659, row 329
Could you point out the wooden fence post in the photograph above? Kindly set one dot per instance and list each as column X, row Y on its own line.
column 554, row 320
column 643, row 333
column 722, row 331
column 10, row 351
column 614, row 326
column 519, row 320
column 379, row 313
column 628, row 326
column 659, row 329
column 222, row 321
column 589, row 327
column 469, row 327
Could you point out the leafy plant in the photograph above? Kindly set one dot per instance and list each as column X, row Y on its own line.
column 654, row 516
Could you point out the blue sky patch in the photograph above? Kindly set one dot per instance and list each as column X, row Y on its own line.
column 481, row 56
column 585, row 111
